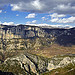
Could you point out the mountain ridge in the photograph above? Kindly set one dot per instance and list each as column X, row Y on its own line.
column 13, row 36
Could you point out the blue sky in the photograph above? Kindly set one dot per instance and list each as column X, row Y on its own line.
column 56, row 12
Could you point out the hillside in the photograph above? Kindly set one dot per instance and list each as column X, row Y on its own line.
column 29, row 64
column 25, row 37
column 34, row 50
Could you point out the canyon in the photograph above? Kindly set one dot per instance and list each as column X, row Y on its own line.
column 35, row 50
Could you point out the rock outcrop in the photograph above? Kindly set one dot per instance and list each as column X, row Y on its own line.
column 32, row 64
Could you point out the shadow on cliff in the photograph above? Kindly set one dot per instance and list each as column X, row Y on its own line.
column 66, row 40
column 65, row 37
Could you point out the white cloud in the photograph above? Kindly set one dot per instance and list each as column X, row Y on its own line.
column 57, row 25
column 16, row 6
column 57, row 15
column 37, row 4
column 31, row 22
column 58, row 6
column 49, row 25
column 61, row 26
column 32, row 15
column 28, row 22
column 63, row 20
column 43, row 18
column 8, row 23
column 34, row 21
column 54, row 20
column 54, row 17
column 30, row 5
column 17, row 14
column 67, row 20
column 0, row 11
column 68, row 8
column 68, row 26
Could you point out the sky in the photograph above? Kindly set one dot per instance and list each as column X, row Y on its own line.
column 38, row 12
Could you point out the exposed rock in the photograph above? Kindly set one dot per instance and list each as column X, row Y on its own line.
column 66, row 61
column 37, row 65
column 15, row 37
column 37, row 44
column 50, row 66
column 24, row 37
column 61, row 61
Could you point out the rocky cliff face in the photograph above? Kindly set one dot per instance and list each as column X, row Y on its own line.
column 21, row 37
column 24, row 37
column 35, row 65
column 21, row 31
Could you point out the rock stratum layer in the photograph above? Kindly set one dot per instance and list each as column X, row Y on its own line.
column 17, row 41
column 24, row 37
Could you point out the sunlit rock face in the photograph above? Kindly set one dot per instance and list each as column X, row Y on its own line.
column 24, row 37
column 21, row 31
column 36, row 64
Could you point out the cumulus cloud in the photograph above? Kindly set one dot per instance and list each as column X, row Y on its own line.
column 30, row 5
column 8, row 23
column 57, row 15
column 65, row 8
column 43, row 18
column 31, row 22
column 34, row 21
column 37, row 4
column 61, row 18
column 68, row 26
column 32, row 15
column 57, row 6
column 54, row 20
column 61, row 26
column 64, row 20
column 28, row 22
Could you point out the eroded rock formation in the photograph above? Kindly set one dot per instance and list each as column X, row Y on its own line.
column 24, row 37
column 33, row 64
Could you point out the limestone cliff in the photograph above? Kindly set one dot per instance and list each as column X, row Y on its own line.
column 24, row 37
column 21, row 37
column 35, row 65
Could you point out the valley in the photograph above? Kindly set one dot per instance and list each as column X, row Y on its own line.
column 34, row 50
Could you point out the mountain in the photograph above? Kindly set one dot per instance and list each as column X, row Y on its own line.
column 11, row 35
column 37, row 50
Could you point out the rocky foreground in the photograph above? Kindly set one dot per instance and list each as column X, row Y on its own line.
column 29, row 64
